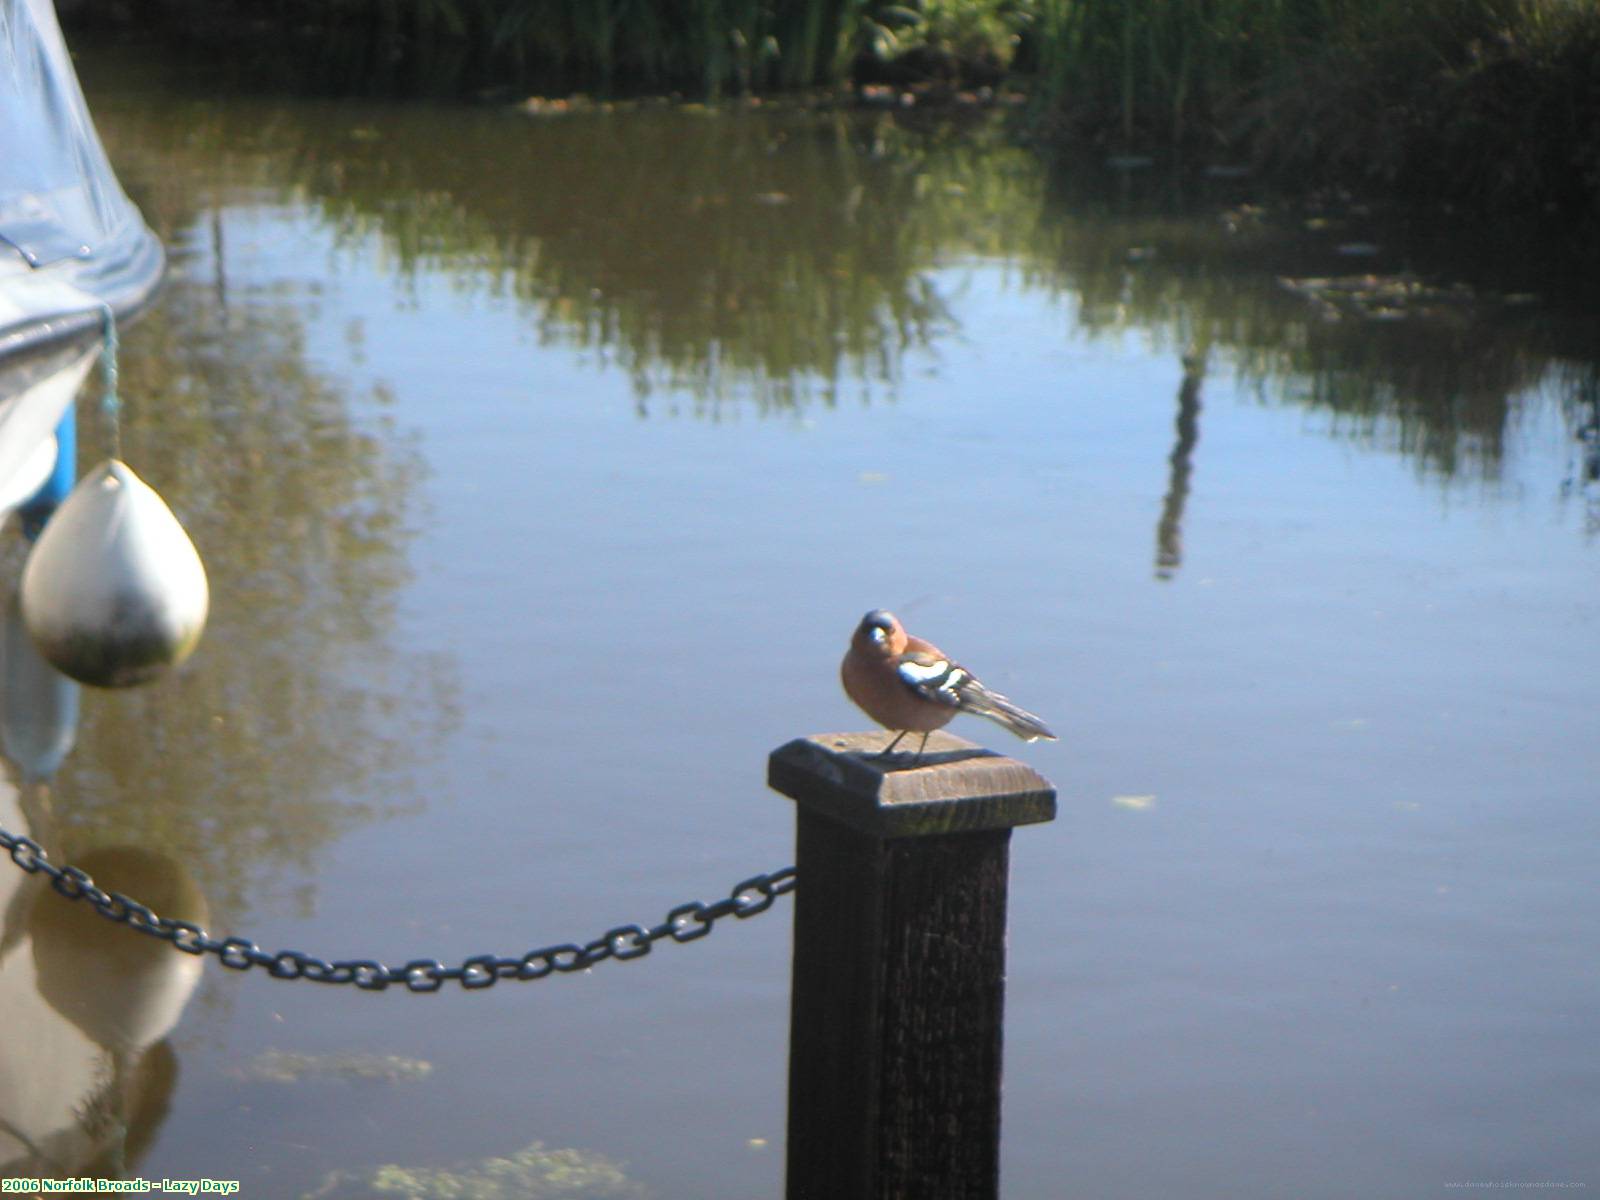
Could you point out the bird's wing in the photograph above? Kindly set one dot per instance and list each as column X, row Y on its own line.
column 933, row 677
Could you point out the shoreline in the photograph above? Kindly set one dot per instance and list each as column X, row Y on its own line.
column 1486, row 120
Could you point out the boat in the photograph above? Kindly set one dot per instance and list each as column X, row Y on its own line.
column 76, row 258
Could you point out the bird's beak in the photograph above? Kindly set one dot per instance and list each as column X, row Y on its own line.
column 878, row 636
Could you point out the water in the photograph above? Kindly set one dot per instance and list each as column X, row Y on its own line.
column 543, row 466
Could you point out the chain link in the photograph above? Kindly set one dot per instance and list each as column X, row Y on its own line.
column 686, row 923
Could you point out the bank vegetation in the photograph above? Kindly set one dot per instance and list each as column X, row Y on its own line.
column 1481, row 105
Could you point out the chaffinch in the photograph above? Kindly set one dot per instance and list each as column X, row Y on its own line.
column 911, row 686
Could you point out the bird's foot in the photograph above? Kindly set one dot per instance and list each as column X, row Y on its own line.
column 889, row 749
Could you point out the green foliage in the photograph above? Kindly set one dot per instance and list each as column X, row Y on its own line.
column 701, row 47
column 949, row 32
column 1485, row 101
column 975, row 30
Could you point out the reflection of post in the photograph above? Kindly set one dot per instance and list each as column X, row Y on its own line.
column 1169, row 530
column 220, row 279
column 899, row 965
column 1586, row 476
column 1589, row 438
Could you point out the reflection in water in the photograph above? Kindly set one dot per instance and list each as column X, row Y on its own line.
column 289, row 725
column 297, row 717
column 781, row 256
column 124, row 992
column 1169, row 530
column 86, row 1076
column 773, row 256
column 1437, row 373
column 38, row 704
column 777, row 259
column 534, row 1172
column 1582, row 413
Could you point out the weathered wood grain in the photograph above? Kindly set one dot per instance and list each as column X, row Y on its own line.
column 899, row 964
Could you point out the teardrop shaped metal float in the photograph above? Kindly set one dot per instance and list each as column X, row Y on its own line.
column 114, row 593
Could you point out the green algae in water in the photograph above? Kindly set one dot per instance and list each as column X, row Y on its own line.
column 293, row 1066
column 532, row 1173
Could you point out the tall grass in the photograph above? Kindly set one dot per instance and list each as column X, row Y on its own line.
column 1481, row 102
column 699, row 47
column 1486, row 102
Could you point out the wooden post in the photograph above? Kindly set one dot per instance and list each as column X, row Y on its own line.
column 899, row 964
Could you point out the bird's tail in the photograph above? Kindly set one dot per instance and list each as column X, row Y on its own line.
column 983, row 702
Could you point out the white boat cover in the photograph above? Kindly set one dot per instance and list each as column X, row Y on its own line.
column 71, row 241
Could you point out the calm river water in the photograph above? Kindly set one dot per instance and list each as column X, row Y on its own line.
column 542, row 466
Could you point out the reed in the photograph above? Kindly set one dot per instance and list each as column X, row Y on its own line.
column 704, row 48
column 440, row 47
column 1482, row 102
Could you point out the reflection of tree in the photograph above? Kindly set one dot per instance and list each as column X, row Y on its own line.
column 774, row 254
column 296, row 713
column 784, row 255
column 1437, row 373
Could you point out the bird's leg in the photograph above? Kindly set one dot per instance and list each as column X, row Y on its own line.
column 920, row 749
column 884, row 753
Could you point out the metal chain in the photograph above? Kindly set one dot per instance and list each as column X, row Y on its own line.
column 686, row 923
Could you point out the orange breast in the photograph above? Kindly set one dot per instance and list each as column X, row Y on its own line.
column 878, row 691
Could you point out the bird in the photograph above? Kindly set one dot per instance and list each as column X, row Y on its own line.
column 911, row 686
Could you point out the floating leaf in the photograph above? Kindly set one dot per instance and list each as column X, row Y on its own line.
column 1138, row 803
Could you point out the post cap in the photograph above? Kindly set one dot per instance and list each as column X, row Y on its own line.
column 957, row 787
